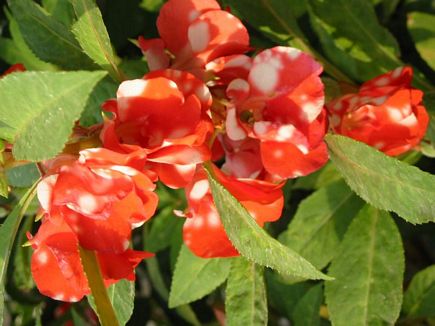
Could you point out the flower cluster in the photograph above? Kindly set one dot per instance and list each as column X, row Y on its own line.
column 255, row 121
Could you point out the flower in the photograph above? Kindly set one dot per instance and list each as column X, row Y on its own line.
column 166, row 114
column 56, row 265
column 102, row 196
column 279, row 105
column 203, row 232
column 203, row 33
column 386, row 113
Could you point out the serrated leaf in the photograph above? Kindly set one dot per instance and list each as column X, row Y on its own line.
column 121, row 295
column 421, row 26
column 40, row 108
column 8, row 232
column 419, row 297
column 307, row 310
column 48, row 38
column 253, row 242
column 384, row 182
column 245, row 301
column 195, row 277
column 368, row 271
column 91, row 33
column 320, row 223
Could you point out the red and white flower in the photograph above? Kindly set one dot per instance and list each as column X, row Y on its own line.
column 102, row 197
column 386, row 113
column 166, row 114
column 280, row 105
column 202, row 33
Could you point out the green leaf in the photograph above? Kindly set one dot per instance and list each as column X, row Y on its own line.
column 151, row 5
column 422, row 29
column 368, row 271
column 103, row 90
column 121, row 295
column 321, row 178
column 245, row 301
column 384, row 182
column 39, row 110
column 282, row 296
column 62, row 10
column 91, row 33
column 277, row 19
column 195, row 277
column 352, row 37
column 16, row 50
column 8, row 232
column 48, row 38
column 253, row 242
column 164, row 226
column 307, row 310
column 23, row 176
column 156, row 279
column 420, row 295
column 320, row 223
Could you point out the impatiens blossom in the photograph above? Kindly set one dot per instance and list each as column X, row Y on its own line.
column 102, row 196
column 203, row 232
column 166, row 114
column 195, row 32
column 279, row 106
column 386, row 113
column 57, row 268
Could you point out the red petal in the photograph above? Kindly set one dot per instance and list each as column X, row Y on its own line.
column 204, row 233
column 56, row 264
column 217, row 33
column 287, row 161
column 175, row 17
column 154, row 51
column 121, row 266
column 280, row 70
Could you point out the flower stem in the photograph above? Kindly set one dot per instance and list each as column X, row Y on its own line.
column 105, row 311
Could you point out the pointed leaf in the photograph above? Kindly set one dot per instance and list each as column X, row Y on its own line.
column 384, row 182
column 368, row 271
column 39, row 110
column 195, row 277
column 320, row 223
column 246, row 301
column 91, row 33
column 253, row 242
column 420, row 296
column 48, row 38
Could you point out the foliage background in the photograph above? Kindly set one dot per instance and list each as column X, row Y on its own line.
column 355, row 40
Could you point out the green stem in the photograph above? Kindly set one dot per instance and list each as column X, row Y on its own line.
column 105, row 311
